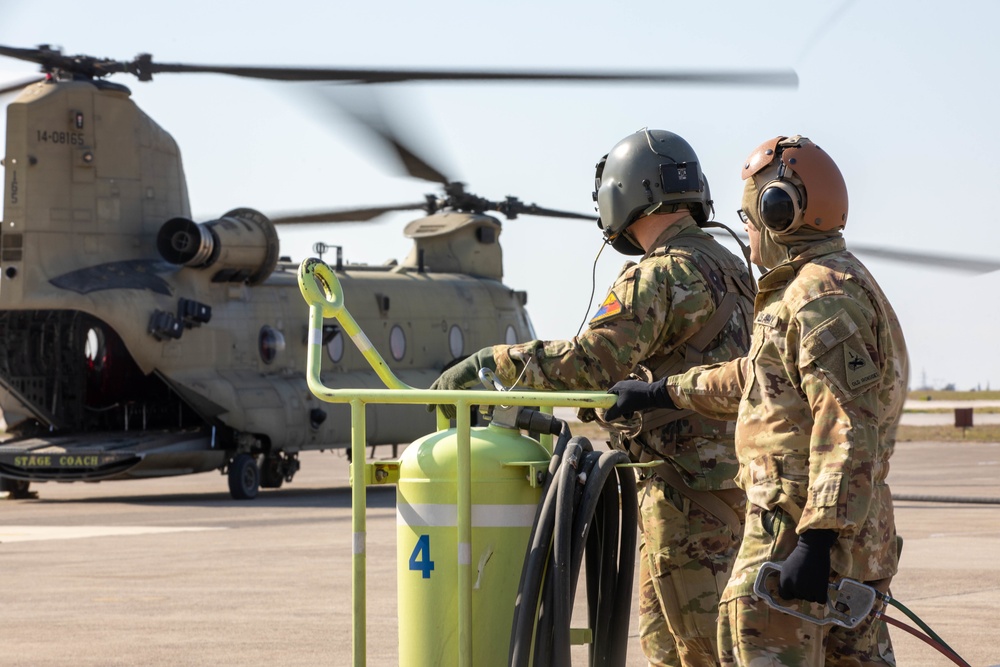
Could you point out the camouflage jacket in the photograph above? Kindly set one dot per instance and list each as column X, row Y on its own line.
column 652, row 308
column 817, row 403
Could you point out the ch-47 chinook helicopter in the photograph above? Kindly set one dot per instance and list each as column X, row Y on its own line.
column 136, row 342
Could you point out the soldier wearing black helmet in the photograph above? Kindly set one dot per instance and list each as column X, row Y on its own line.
column 687, row 301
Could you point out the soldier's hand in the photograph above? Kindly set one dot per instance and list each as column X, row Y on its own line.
column 636, row 395
column 463, row 375
column 805, row 575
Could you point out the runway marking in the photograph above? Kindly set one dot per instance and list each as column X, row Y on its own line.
column 33, row 533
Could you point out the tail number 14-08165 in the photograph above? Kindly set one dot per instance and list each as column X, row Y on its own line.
column 57, row 137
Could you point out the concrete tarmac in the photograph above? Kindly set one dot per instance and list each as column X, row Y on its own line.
column 174, row 572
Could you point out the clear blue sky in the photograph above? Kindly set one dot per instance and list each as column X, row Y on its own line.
column 902, row 95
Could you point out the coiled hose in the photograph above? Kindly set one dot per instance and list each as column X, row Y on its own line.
column 578, row 516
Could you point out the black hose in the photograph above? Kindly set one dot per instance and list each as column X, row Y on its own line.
column 622, row 509
column 591, row 495
column 622, row 613
column 578, row 517
column 562, row 541
column 607, row 534
column 539, row 543
column 593, row 555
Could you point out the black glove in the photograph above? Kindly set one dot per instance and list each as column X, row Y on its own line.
column 463, row 375
column 636, row 395
column 805, row 575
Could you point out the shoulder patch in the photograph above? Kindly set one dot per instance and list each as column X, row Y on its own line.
column 838, row 351
column 830, row 333
column 610, row 309
column 619, row 300
column 859, row 369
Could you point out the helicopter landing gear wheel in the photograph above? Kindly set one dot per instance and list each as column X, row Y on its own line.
column 272, row 473
column 244, row 477
column 16, row 489
column 276, row 468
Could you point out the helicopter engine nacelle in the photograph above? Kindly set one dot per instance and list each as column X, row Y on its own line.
column 241, row 246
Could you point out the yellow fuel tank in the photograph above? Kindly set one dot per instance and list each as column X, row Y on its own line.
column 428, row 552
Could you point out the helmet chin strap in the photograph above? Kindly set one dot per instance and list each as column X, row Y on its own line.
column 623, row 243
column 631, row 237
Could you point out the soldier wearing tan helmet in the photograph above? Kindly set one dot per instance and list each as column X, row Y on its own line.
column 817, row 402
column 687, row 301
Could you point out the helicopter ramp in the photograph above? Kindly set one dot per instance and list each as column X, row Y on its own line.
column 92, row 457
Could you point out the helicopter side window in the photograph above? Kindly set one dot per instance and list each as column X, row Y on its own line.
column 335, row 348
column 456, row 341
column 397, row 342
column 270, row 343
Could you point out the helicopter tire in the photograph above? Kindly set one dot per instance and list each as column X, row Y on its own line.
column 244, row 477
column 272, row 473
column 16, row 489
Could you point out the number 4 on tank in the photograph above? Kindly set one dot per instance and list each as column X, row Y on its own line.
column 420, row 559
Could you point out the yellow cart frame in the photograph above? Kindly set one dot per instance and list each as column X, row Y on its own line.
column 322, row 291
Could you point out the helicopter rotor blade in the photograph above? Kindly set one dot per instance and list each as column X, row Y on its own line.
column 532, row 209
column 778, row 78
column 144, row 68
column 513, row 207
column 52, row 60
column 13, row 87
column 345, row 215
column 415, row 165
column 368, row 110
column 974, row 265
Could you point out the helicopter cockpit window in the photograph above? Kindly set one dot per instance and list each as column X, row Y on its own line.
column 335, row 348
column 456, row 341
column 510, row 336
column 397, row 342
column 270, row 343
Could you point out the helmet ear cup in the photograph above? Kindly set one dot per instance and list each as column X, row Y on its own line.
column 780, row 206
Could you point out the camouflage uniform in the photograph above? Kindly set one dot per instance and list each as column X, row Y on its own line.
column 817, row 403
column 650, row 313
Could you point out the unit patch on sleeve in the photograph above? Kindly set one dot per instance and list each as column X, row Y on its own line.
column 609, row 310
column 858, row 366
column 619, row 301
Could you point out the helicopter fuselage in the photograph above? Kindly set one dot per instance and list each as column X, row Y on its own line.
column 123, row 321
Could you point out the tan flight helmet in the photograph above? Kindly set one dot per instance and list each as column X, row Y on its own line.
column 649, row 171
column 798, row 187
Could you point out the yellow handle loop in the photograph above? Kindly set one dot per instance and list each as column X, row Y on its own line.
column 320, row 287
